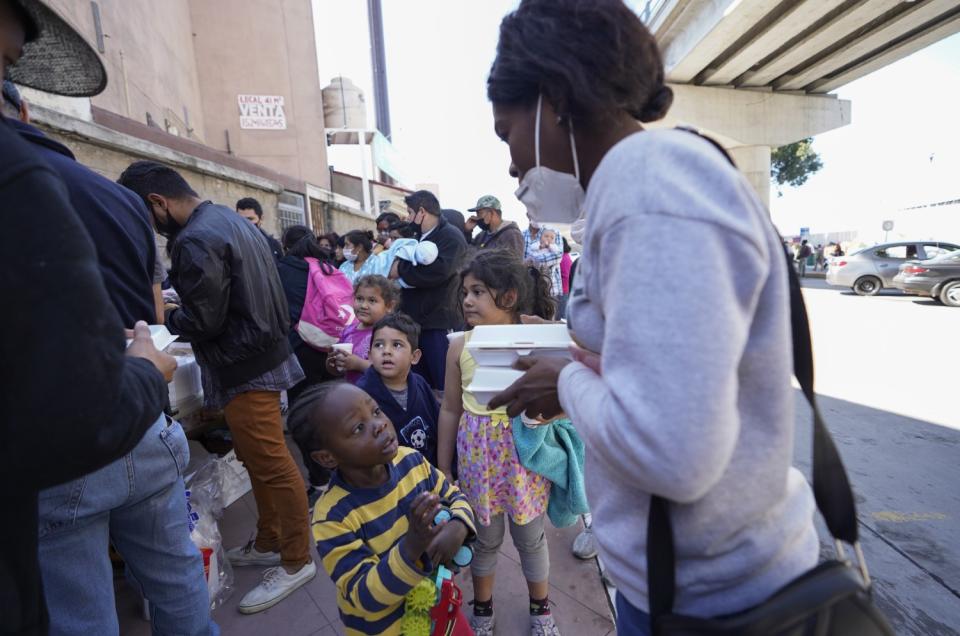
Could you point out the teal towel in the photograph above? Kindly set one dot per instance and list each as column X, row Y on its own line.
column 556, row 452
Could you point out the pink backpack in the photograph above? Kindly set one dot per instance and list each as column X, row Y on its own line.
column 328, row 306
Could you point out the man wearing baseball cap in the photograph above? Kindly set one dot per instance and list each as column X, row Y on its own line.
column 496, row 234
column 73, row 398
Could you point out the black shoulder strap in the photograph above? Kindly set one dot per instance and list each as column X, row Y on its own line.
column 831, row 487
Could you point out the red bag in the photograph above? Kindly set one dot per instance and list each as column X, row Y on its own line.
column 448, row 619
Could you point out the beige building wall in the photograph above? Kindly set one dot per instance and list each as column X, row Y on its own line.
column 184, row 62
column 328, row 217
column 262, row 47
column 110, row 163
column 149, row 56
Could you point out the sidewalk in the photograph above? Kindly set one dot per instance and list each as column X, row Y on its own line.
column 581, row 605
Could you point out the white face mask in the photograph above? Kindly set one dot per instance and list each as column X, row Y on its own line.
column 349, row 254
column 551, row 196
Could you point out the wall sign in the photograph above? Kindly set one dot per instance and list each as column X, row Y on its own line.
column 262, row 112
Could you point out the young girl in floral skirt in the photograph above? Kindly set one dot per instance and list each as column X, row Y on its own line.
column 496, row 288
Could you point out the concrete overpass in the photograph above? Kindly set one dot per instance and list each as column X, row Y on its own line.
column 758, row 74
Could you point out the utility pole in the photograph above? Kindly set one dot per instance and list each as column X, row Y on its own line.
column 379, row 64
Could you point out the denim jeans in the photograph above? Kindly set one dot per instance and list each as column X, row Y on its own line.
column 137, row 502
column 630, row 620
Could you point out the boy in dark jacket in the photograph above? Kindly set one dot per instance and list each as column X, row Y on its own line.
column 404, row 397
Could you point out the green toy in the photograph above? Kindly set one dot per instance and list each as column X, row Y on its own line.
column 417, row 605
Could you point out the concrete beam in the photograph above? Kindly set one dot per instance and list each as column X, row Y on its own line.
column 876, row 40
column 834, row 31
column 668, row 12
column 692, row 44
column 919, row 41
column 756, row 118
column 796, row 20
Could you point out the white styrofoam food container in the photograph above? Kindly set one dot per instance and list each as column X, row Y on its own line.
column 502, row 345
column 161, row 337
column 489, row 381
column 186, row 388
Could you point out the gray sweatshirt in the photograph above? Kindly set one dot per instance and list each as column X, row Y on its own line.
column 683, row 290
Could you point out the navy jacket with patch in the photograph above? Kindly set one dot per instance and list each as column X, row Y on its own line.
column 416, row 425
column 118, row 223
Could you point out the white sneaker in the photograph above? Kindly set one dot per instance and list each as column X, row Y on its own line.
column 482, row 625
column 249, row 555
column 543, row 626
column 585, row 545
column 276, row 586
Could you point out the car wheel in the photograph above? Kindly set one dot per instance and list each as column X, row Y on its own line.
column 950, row 294
column 867, row 286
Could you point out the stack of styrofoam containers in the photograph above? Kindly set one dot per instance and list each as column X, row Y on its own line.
column 497, row 347
column 186, row 389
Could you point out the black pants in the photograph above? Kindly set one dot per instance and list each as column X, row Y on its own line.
column 433, row 361
column 22, row 605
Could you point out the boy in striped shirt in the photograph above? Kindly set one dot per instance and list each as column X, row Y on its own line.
column 374, row 526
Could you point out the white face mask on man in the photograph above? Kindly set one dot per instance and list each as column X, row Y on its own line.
column 551, row 196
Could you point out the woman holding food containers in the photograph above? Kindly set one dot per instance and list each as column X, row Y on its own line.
column 681, row 386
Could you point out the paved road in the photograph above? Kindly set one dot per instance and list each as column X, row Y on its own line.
column 888, row 371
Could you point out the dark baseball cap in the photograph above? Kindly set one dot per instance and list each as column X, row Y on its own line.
column 56, row 58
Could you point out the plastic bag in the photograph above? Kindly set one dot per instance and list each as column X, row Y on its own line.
column 205, row 507
column 234, row 478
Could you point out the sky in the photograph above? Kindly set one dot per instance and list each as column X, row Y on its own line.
column 440, row 51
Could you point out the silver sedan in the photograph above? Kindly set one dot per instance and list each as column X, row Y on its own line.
column 869, row 270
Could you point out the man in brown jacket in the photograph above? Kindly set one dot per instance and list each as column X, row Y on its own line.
column 496, row 233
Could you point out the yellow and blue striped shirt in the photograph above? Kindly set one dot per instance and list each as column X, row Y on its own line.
column 358, row 533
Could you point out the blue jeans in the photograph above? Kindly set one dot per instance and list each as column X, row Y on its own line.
column 630, row 620
column 138, row 502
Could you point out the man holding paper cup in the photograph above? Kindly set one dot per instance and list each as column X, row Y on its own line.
column 72, row 399
column 74, row 564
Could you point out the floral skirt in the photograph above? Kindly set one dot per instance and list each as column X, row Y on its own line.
column 491, row 475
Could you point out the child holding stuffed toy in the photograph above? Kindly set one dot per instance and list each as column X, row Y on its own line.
column 374, row 527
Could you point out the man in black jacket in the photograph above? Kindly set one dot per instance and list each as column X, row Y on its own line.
column 235, row 314
column 430, row 291
column 73, row 560
column 71, row 401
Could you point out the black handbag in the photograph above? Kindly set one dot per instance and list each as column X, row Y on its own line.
column 833, row 598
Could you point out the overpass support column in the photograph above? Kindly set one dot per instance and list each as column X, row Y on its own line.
column 754, row 163
column 751, row 122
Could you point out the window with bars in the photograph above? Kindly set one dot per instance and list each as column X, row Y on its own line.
column 290, row 210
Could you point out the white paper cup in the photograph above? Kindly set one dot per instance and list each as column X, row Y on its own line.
column 346, row 347
column 530, row 422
